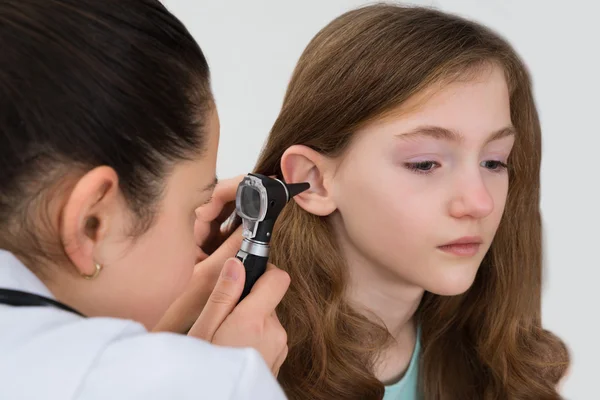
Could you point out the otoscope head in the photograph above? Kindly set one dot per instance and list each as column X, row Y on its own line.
column 259, row 200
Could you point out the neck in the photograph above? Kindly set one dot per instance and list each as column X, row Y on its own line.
column 392, row 303
column 386, row 299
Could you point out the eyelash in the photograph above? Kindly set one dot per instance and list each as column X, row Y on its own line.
column 427, row 167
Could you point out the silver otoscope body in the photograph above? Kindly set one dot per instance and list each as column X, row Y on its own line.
column 259, row 200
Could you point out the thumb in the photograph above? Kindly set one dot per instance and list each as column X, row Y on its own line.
column 222, row 300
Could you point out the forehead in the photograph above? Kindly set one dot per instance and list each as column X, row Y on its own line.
column 474, row 107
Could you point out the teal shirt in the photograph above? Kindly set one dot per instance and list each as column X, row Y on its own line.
column 406, row 388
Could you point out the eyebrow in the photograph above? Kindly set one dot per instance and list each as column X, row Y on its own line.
column 211, row 186
column 440, row 133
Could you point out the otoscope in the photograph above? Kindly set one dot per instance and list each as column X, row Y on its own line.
column 259, row 200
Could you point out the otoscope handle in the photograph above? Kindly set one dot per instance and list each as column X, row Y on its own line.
column 255, row 266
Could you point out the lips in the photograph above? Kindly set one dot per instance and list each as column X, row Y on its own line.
column 466, row 246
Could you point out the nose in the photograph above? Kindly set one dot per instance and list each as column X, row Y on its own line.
column 472, row 199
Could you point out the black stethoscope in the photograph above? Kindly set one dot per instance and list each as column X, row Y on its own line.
column 18, row 298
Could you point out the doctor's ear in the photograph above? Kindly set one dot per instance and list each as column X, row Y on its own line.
column 302, row 164
column 89, row 215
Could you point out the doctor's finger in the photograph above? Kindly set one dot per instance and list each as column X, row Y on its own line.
column 267, row 292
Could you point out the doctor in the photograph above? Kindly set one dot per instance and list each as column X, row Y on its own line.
column 108, row 144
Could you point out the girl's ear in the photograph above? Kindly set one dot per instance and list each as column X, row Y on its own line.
column 303, row 164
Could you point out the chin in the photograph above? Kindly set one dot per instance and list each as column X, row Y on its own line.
column 451, row 281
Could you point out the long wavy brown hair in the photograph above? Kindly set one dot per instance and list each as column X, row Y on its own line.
column 487, row 343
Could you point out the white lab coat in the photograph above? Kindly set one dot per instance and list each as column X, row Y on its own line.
column 47, row 353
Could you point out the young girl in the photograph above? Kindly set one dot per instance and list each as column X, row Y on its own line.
column 416, row 255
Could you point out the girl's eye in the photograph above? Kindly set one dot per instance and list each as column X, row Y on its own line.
column 427, row 167
column 494, row 165
column 422, row 167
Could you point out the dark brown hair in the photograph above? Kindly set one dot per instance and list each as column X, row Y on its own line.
column 485, row 344
column 85, row 83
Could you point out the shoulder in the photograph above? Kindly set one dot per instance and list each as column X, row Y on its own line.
column 48, row 353
column 163, row 365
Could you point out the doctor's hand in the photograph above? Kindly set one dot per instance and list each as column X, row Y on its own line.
column 251, row 323
column 208, row 283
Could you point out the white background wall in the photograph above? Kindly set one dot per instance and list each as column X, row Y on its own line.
column 252, row 47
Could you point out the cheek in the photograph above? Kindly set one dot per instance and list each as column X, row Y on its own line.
column 183, row 248
column 498, row 189
column 172, row 252
column 155, row 270
column 384, row 212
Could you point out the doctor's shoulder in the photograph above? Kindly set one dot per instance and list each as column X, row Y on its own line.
column 67, row 357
